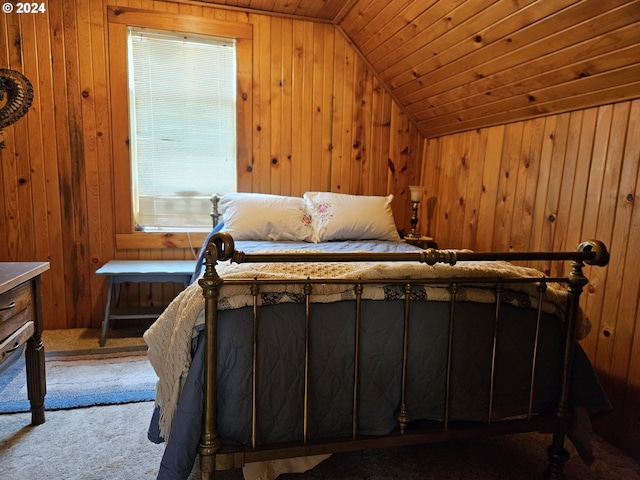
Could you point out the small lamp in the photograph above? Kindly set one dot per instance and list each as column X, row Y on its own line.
column 416, row 196
column 215, row 213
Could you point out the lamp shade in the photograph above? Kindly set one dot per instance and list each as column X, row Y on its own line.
column 416, row 192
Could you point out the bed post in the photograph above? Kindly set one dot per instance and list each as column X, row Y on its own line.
column 556, row 452
column 219, row 247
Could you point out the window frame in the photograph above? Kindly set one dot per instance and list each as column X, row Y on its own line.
column 119, row 19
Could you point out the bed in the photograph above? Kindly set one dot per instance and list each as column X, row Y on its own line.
column 314, row 328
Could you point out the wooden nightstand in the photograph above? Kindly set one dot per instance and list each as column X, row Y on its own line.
column 422, row 242
column 21, row 322
column 121, row 271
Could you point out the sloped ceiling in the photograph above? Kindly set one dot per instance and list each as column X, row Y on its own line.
column 455, row 65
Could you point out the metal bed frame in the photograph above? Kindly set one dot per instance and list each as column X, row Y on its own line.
column 220, row 247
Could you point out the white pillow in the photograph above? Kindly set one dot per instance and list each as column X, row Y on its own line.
column 257, row 216
column 338, row 216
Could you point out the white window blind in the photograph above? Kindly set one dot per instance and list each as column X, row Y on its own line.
column 182, row 108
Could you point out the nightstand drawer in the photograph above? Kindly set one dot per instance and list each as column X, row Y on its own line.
column 16, row 309
column 20, row 336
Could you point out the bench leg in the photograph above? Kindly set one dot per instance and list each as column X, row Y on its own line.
column 107, row 314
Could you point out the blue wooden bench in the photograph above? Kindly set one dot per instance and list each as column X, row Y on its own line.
column 150, row 271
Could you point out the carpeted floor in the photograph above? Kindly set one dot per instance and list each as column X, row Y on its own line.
column 513, row 457
column 109, row 443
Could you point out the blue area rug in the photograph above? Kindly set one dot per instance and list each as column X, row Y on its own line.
column 81, row 380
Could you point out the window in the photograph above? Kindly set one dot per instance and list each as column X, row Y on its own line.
column 182, row 123
column 180, row 89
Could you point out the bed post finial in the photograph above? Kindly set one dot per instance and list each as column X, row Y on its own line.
column 601, row 257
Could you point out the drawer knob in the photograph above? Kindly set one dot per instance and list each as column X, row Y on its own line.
column 8, row 307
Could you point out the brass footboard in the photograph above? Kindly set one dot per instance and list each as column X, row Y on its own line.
column 215, row 456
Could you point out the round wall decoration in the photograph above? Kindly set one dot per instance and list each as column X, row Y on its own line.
column 16, row 95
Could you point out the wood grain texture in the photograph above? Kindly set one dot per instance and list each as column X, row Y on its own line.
column 310, row 109
column 518, row 117
column 512, row 70
column 456, row 65
column 548, row 184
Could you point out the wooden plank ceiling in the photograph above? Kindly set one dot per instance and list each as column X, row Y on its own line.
column 456, row 65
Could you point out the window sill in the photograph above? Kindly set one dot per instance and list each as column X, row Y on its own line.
column 191, row 240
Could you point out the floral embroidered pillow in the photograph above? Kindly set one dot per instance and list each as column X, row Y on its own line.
column 258, row 216
column 338, row 216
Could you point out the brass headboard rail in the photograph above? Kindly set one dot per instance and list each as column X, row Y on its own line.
column 221, row 246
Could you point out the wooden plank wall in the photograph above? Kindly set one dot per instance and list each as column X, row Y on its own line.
column 321, row 121
column 548, row 184
column 458, row 65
